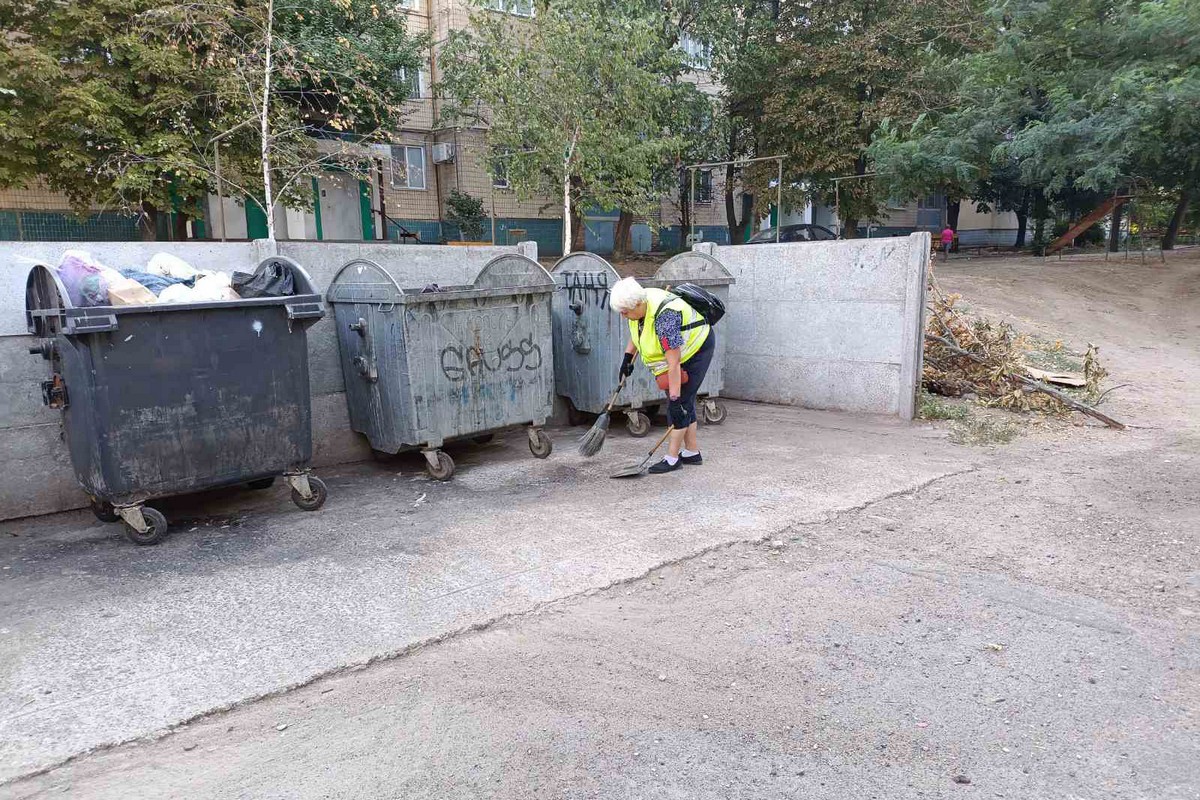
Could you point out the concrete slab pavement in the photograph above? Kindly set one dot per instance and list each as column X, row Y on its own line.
column 103, row 642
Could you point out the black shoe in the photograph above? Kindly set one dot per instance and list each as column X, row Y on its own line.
column 694, row 461
column 665, row 466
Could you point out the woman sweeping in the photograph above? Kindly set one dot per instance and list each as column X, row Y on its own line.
column 677, row 345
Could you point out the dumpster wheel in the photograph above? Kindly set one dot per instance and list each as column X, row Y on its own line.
column 539, row 443
column 156, row 527
column 714, row 412
column 637, row 423
column 443, row 470
column 103, row 511
column 319, row 495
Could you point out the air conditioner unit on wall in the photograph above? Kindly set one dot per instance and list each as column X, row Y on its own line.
column 443, row 153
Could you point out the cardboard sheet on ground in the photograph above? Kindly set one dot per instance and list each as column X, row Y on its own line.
column 1057, row 378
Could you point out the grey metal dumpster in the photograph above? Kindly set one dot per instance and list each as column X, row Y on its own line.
column 167, row 399
column 423, row 367
column 589, row 338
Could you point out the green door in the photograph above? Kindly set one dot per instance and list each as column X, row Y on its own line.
column 256, row 221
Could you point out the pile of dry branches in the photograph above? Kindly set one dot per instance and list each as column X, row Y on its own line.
column 972, row 355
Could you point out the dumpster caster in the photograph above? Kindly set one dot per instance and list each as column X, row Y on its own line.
column 439, row 465
column 308, row 492
column 714, row 412
column 103, row 511
column 539, row 443
column 483, row 438
column 261, row 483
column 637, row 423
column 143, row 525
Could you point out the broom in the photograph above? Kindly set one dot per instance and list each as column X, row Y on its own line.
column 593, row 440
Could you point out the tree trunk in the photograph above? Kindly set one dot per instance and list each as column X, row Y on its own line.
column 265, row 110
column 850, row 228
column 953, row 209
column 737, row 228
column 621, row 232
column 1172, row 233
column 685, row 208
column 1022, row 220
column 148, row 222
column 1114, row 232
column 568, row 212
column 1040, row 211
column 179, row 227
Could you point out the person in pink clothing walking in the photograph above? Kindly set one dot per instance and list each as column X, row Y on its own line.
column 947, row 241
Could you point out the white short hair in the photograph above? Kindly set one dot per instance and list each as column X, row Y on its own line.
column 626, row 295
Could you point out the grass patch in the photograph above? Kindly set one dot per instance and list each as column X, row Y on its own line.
column 983, row 430
column 933, row 407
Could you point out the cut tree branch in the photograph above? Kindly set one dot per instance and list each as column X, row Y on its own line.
column 1030, row 383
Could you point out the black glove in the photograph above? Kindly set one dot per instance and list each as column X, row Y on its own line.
column 676, row 414
column 626, row 366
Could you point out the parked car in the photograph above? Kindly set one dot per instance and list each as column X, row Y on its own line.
column 794, row 233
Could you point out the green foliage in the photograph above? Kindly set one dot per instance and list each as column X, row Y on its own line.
column 467, row 213
column 585, row 98
column 845, row 67
column 118, row 101
column 1066, row 101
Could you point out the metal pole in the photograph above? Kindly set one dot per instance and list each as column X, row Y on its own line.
column 837, row 206
column 692, row 209
column 779, row 203
column 220, row 197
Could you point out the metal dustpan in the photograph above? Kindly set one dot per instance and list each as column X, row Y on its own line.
column 639, row 469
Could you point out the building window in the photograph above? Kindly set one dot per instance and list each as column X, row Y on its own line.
column 408, row 167
column 414, row 79
column 521, row 8
column 933, row 202
column 703, row 188
column 410, row 5
column 697, row 54
column 499, row 170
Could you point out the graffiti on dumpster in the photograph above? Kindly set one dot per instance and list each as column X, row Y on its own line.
column 460, row 363
column 589, row 288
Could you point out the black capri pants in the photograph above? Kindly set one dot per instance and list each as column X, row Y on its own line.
column 682, row 412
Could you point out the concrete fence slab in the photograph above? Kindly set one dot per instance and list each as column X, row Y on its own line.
column 831, row 325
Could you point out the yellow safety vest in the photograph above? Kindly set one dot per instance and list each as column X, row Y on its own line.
column 695, row 330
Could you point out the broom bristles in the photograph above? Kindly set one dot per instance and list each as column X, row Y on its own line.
column 593, row 440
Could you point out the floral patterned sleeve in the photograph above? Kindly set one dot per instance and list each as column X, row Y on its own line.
column 668, row 328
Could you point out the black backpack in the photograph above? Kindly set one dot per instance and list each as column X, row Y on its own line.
column 705, row 303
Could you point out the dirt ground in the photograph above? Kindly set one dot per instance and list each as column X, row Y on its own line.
column 1028, row 627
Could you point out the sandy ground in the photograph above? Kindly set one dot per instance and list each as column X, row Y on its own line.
column 1013, row 621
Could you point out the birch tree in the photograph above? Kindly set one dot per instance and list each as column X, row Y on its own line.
column 575, row 99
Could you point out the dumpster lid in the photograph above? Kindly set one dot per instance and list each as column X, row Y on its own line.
column 365, row 281
column 693, row 267
column 49, row 310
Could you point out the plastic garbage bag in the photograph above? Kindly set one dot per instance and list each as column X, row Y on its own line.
column 170, row 266
column 83, row 278
column 155, row 283
column 176, row 293
column 213, row 287
column 272, row 279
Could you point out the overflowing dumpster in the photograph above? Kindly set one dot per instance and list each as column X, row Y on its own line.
column 171, row 398
column 589, row 338
column 424, row 366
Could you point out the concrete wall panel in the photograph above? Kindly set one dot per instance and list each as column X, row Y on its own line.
column 834, row 325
